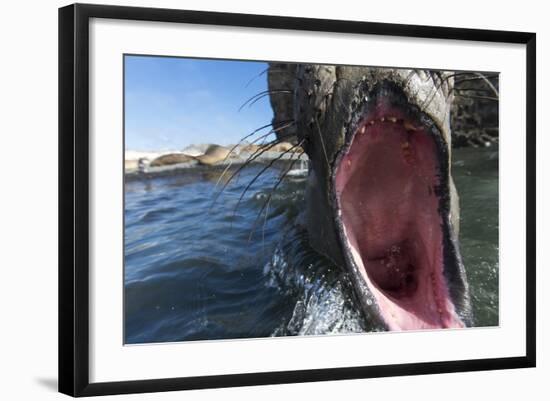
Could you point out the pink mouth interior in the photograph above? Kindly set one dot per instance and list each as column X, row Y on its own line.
column 385, row 186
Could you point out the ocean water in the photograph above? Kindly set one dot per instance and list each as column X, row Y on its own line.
column 197, row 268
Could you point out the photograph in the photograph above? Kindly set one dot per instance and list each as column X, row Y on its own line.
column 271, row 198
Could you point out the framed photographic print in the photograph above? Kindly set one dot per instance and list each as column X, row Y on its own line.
column 250, row 199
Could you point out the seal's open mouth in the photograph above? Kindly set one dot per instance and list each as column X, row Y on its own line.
column 388, row 190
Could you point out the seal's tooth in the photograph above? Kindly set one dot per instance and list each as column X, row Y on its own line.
column 382, row 119
column 392, row 119
column 409, row 127
column 362, row 130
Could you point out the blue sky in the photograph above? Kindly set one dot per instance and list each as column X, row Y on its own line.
column 173, row 102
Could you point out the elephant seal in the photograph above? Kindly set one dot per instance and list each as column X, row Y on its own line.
column 282, row 147
column 170, row 159
column 195, row 149
column 250, row 148
column 380, row 199
column 214, row 154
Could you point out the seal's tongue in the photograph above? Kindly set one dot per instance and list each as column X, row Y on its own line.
column 387, row 186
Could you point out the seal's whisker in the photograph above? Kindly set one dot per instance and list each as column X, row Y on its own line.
column 265, row 206
column 459, row 92
column 268, row 94
column 260, row 173
column 282, row 177
column 459, row 74
column 488, row 83
column 252, row 98
column 322, row 141
column 476, row 78
column 281, row 125
column 437, row 79
column 409, row 77
column 479, row 97
column 233, row 149
column 426, row 76
column 256, row 77
column 471, row 76
column 274, row 130
column 290, row 123
column 433, row 92
column 445, row 84
column 270, row 69
column 429, row 99
column 441, row 81
column 263, row 94
column 252, row 133
column 276, row 141
column 273, row 189
column 444, row 80
column 250, row 159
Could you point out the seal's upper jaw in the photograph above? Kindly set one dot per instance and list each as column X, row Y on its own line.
column 389, row 186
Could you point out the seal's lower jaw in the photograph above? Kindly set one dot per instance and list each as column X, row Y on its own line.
column 388, row 192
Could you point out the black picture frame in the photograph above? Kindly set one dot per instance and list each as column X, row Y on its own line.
column 74, row 198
